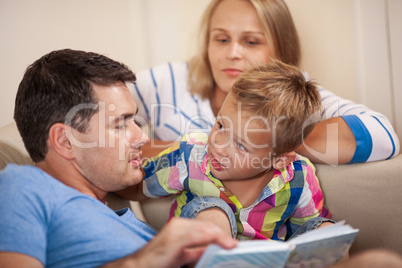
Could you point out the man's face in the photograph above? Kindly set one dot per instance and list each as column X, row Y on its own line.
column 108, row 154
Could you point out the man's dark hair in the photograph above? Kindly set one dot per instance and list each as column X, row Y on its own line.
column 55, row 84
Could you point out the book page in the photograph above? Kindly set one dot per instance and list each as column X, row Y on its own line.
column 321, row 247
column 251, row 254
column 317, row 248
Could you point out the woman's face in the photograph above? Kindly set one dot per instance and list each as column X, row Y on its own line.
column 237, row 42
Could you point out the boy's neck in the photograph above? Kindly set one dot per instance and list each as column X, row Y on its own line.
column 248, row 190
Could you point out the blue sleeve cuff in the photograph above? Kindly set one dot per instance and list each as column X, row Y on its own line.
column 364, row 142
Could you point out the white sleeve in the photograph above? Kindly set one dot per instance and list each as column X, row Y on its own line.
column 374, row 134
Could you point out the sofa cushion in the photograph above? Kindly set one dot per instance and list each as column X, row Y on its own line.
column 12, row 148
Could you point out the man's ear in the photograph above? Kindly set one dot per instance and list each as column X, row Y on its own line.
column 284, row 159
column 59, row 140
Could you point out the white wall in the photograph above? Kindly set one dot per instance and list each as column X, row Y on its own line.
column 326, row 35
column 395, row 47
column 338, row 38
column 30, row 29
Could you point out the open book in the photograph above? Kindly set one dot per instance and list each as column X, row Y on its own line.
column 318, row 248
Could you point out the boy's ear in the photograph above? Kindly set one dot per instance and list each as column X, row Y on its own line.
column 283, row 160
column 59, row 141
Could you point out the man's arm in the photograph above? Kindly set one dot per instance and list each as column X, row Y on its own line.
column 17, row 260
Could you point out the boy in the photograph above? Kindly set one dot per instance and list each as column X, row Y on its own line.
column 247, row 160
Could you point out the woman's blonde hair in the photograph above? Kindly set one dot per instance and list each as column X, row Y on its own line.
column 280, row 32
column 279, row 94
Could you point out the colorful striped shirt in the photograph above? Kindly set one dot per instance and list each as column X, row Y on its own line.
column 292, row 197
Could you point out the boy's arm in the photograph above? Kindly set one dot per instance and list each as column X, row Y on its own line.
column 158, row 171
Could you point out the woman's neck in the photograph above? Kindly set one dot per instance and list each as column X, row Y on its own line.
column 218, row 97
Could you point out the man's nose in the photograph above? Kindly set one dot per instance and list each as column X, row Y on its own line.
column 136, row 137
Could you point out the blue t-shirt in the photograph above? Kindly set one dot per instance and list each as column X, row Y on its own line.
column 61, row 227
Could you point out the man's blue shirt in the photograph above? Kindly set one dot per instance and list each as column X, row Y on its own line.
column 61, row 227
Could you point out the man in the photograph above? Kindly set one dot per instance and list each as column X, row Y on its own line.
column 76, row 118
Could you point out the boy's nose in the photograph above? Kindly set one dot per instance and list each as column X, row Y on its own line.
column 220, row 144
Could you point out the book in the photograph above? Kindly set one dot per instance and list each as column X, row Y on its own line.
column 318, row 248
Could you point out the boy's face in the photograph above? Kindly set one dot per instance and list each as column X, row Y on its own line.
column 238, row 145
column 108, row 154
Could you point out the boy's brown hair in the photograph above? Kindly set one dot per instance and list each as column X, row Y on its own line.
column 279, row 93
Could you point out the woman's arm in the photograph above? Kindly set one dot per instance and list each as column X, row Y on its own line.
column 349, row 133
column 331, row 142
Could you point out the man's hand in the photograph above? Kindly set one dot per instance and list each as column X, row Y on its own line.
column 180, row 242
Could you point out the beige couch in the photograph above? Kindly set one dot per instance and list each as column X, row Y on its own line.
column 367, row 195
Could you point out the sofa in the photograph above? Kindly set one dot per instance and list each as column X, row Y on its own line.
column 367, row 196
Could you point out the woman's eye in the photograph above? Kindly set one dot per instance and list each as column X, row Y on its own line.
column 221, row 38
column 252, row 41
column 219, row 125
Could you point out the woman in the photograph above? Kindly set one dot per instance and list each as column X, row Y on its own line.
column 179, row 98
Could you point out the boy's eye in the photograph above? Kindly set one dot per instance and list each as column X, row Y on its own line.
column 241, row 147
column 219, row 125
